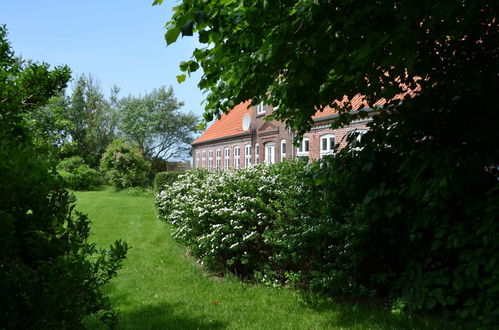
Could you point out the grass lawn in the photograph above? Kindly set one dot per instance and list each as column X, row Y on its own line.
column 160, row 287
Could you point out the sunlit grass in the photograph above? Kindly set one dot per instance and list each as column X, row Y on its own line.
column 160, row 287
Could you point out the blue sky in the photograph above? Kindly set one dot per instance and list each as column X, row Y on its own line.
column 118, row 42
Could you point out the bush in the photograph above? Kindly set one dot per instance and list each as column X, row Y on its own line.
column 77, row 175
column 51, row 276
column 331, row 228
column 124, row 166
column 165, row 179
column 226, row 218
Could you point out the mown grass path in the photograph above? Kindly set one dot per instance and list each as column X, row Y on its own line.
column 160, row 287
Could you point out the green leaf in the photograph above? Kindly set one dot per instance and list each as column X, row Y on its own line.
column 187, row 28
column 201, row 126
column 157, row 2
column 204, row 37
column 181, row 78
column 172, row 35
column 200, row 17
column 184, row 66
column 193, row 66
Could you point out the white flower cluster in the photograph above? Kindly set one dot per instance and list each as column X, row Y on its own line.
column 222, row 216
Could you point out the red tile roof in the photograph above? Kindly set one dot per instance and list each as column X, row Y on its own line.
column 359, row 102
column 231, row 124
column 228, row 125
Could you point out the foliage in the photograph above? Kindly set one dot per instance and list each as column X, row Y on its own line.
column 202, row 301
column 424, row 186
column 225, row 217
column 77, row 175
column 155, row 123
column 51, row 276
column 330, row 234
column 163, row 180
column 123, row 165
column 93, row 118
column 309, row 53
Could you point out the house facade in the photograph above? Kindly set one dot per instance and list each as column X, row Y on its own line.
column 243, row 138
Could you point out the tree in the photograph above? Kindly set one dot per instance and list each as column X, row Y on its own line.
column 155, row 123
column 426, row 181
column 51, row 275
column 94, row 120
column 123, row 165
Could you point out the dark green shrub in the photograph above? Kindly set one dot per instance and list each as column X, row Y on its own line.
column 165, row 179
column 332, row 227
column 123, row 165
column 51, row 276
column 77, row 175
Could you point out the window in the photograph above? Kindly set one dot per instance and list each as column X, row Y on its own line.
column 354, row 137
column 257, row 154
column 203, row 159
column 198, row 164
column 247, row 155
column 260, row 109
column 218, row 159
column 283, row 149
column 210, row 160
column 327, row 145
column 237, row 156
column 226, row 158
column 304, row 148
column 270, row 153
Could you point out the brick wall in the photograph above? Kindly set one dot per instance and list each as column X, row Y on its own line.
column 263, row 132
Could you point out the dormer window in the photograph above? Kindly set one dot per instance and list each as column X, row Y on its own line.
column 260, row 109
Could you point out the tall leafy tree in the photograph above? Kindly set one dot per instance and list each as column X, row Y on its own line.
column 154, row 121
column 51, row 275
column 426, row 181
column 93, row 119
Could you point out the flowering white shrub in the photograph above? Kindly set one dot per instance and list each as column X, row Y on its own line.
column 225, row 217
column 275, row 224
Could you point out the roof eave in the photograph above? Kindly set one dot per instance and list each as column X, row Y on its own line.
column 221, row 138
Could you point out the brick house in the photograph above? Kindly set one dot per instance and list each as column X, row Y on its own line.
column 243, row 138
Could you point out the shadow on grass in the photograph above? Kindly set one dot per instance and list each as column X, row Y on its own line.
column 166, row 316
column 370, row 314
column 159, row 316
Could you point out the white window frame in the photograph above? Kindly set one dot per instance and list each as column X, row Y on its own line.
column 203, row 159
column 226, row 158
column 257, row 154
column 247, row 155
column 283, row 149
column 330, row 142
column 237, row 156
column 260, row 109
column 218, row 159
column 210, row 160
column 198, row 164
column 270, row 153
column 304, row 148
column 359, row 132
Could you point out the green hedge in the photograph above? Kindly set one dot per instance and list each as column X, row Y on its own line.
column 325, row 227
column 165, row 179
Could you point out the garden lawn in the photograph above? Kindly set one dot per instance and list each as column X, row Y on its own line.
column 160, row 287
